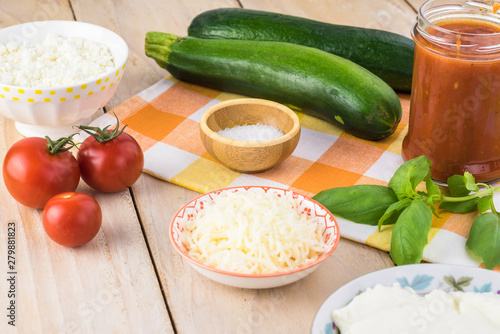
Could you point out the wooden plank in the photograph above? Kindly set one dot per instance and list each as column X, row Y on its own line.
column 108, row 285
column 15, row 12
column 200, row 305
column 391, row 15
column 416, row 4
column 131, row 20
column 116, row 291
column 105, row 285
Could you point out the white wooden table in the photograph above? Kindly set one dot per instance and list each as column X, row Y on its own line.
column 129, row 278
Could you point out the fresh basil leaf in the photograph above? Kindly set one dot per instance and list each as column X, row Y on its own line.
column 434, row 195
column 363, row 204
column 470, row 182
column 457, row 185
column 430, row 203
column 484, row 239
column 460, row 207
column 407, row 186
column 484, row 204
column 409, row 175
column 432, row 189
column 393, row 211
column 410, row 234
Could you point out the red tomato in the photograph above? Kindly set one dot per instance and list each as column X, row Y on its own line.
column 112, row 165
column 33, row 175
column 72, row 219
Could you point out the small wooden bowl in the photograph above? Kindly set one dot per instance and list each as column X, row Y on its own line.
column 249, row 156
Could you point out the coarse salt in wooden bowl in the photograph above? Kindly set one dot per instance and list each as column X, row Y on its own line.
column 249, row 156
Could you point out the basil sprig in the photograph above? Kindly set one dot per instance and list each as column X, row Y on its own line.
column 410, row 210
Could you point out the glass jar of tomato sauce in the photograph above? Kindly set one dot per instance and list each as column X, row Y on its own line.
column 455, row 97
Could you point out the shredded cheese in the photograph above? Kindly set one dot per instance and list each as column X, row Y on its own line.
column 253, row 233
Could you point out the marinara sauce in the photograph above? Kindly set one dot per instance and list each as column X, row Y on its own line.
column 455, row 99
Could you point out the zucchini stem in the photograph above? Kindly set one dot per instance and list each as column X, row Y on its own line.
column 158, row 46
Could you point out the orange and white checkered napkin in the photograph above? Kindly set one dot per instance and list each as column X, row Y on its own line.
column 165, row 117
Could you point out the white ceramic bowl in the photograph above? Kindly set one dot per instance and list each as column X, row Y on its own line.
column 316, row 210
column 52, row 111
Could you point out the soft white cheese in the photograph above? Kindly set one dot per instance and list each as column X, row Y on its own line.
column 388, row 310
column 56, row 61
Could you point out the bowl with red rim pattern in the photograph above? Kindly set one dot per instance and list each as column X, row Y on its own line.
column 316, row 214
column 58, row 96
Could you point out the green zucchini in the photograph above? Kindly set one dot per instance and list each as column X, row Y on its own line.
column 387, row 55
column 321, row 84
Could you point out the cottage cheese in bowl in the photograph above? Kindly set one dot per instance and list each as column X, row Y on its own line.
column 57, row 74
column 55, row 61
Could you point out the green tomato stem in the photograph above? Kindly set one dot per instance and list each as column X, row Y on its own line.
column 102, row 135
column 61, row 145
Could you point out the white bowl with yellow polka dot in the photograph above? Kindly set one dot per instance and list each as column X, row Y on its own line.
column 53, row 111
